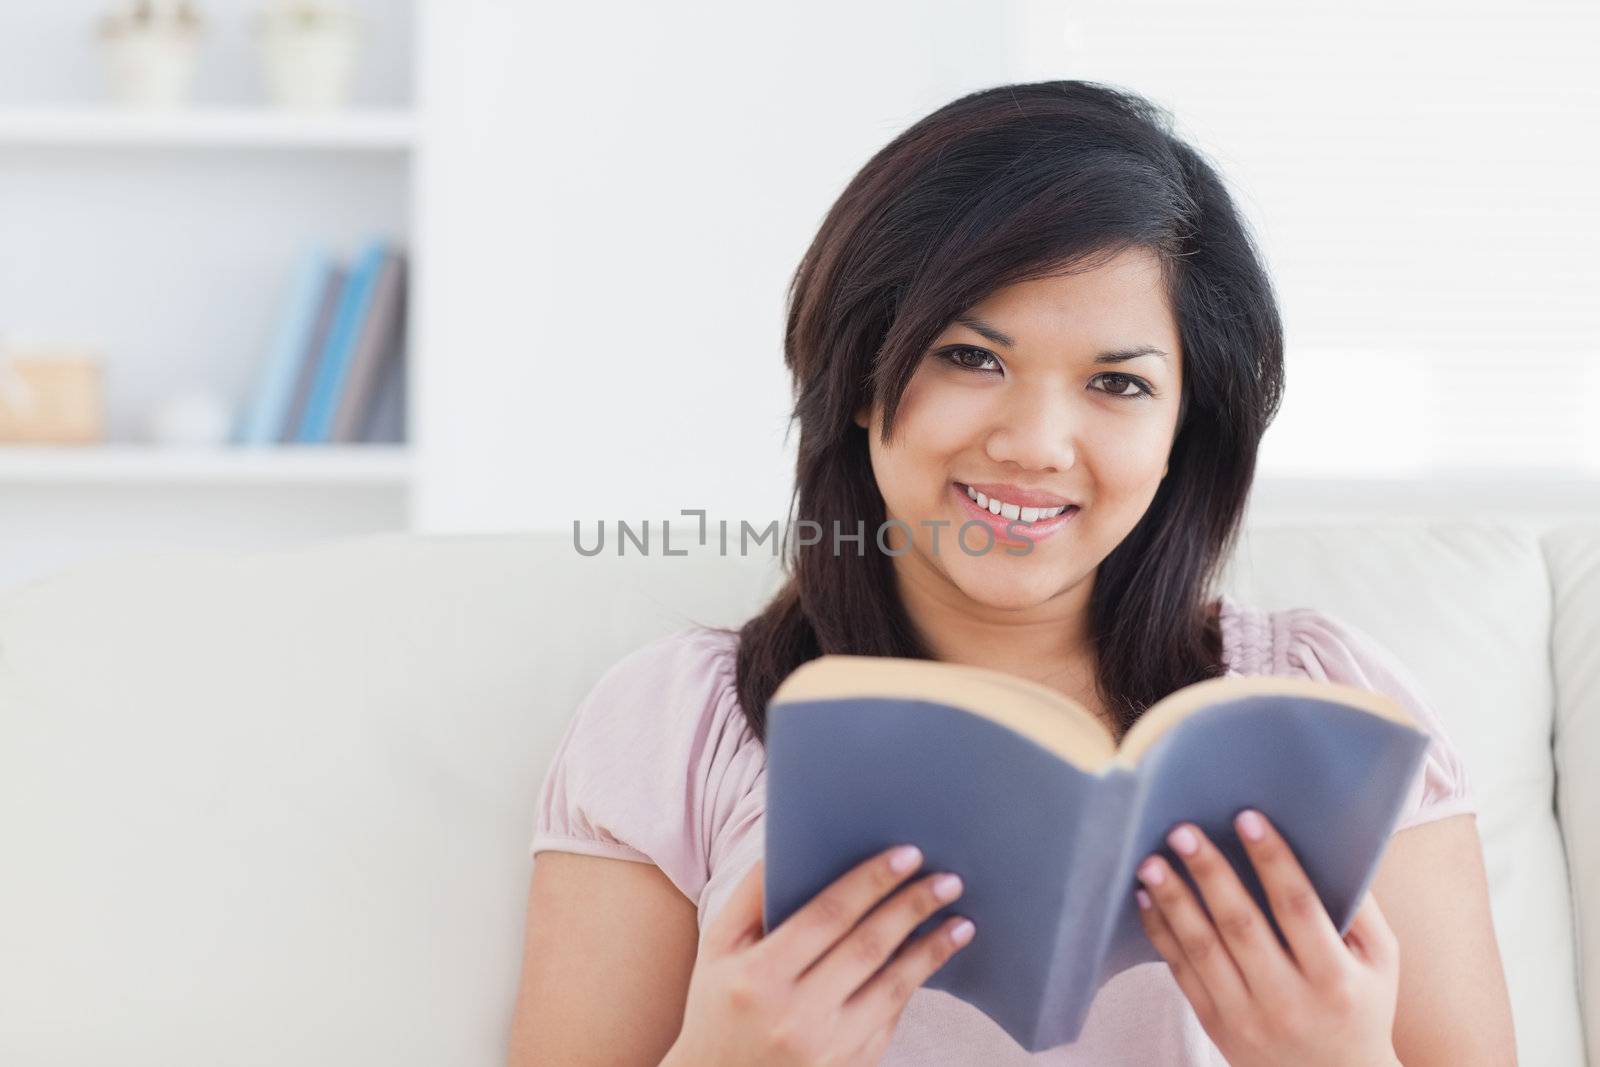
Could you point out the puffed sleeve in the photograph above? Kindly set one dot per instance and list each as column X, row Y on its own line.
column 1326, row 648
column 655, row 762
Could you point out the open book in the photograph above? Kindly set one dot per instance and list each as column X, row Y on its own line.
column 1025, row 795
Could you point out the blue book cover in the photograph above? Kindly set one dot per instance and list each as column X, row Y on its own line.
column 261, row 418
column 290, row 426
column 333, row 367
column 1025, row 795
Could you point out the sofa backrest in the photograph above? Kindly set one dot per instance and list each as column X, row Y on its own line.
column 275, row 807
column 1573, row 555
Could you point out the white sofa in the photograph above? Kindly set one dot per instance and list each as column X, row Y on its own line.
column 274, row 808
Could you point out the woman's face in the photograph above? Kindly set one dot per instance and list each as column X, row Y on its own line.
column 1019, row 395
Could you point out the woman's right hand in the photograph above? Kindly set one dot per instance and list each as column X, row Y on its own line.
column 811, row 992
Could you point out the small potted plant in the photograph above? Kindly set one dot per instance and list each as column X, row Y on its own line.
column 150, row 48
column 308, row 52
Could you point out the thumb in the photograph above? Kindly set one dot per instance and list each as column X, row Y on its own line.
column 739, row 922
column 1369, row 932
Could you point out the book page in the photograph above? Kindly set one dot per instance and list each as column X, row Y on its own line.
column 1045, row 716
column 1174, row 708
column 1036, row 711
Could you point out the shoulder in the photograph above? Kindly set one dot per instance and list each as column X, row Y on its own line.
column 662, row 704
column 695, row 661
column 1308, row 642
column 654, row 759
column 1305, row 642
column 1299, row 641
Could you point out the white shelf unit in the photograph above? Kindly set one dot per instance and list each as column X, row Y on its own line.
column 348, row 143
column 365, row 138
column 164, row 241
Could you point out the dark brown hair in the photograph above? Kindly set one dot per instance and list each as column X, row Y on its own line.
column 998, row 187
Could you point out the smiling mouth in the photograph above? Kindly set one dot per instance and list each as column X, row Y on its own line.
column 1009, row 530
column 1013, row 512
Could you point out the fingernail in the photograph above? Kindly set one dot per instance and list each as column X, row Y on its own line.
column 962, row 931
column 1151, row 873
column 947, row 886
column 1183, row 841
column 1250, row 825
column 1143, row 898
column 904, row 858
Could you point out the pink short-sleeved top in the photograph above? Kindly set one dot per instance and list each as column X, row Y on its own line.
column 659, row 766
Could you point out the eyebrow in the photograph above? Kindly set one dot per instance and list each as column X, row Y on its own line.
column 1122, row 355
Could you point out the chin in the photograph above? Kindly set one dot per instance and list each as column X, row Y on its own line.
column 1014, row 591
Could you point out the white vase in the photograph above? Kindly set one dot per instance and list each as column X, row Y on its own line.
column 309, row 69
column 151, row 70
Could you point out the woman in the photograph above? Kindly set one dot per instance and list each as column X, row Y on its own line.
column 1034, row 299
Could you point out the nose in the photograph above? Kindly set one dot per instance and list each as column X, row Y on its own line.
column 1034, row 429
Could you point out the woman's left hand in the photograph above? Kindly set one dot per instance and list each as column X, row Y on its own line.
column 1330, row 1003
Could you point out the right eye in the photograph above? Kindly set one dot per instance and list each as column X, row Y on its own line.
column 967, row 357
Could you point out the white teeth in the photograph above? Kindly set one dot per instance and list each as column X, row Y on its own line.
column 1014, row 512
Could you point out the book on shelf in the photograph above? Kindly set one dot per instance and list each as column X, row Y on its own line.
column 1045, row 816
column 386, row 422
column 377, row 346
column 289, row 425
column 265, row 410
column 334, row 370
column 337, row 354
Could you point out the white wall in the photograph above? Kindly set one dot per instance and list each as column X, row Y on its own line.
column 612, row 198
column 1422, row 177
column 615, row 196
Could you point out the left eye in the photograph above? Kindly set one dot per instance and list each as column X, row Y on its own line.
column 1119, row 380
